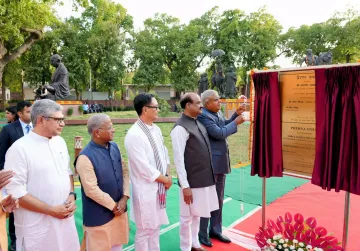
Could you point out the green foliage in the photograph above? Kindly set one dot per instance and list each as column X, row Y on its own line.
column 164, row 106
column 80, row 109
column 339, row 34
column 36, row 62
column 70, row 111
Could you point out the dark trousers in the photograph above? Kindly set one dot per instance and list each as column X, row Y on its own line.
column 12, row 228
column 216, row 216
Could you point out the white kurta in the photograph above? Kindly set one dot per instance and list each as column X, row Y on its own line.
column 41, row 167
column 205, row 199
column 145, row 209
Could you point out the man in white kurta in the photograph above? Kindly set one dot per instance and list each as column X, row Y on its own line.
column 145, row 209
column 194, row 202
column 43, row 184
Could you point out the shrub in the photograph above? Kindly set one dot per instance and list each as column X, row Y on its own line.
column 81, row 109
column 70, row 111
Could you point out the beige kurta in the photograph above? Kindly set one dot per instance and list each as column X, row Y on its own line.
column 3, row 234
column 116, row 231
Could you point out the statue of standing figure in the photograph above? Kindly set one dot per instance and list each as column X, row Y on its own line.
column 59, row 87
column 310, row 59
column 203, row 83
column 230, row 83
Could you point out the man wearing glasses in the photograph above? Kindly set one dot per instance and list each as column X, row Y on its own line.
column 149, row 174
column 105, row 188
column 43, row 183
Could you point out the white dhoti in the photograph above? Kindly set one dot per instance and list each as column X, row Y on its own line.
column 204, row 201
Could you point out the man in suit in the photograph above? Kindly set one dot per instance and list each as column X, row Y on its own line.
column 8, row 135
column 218, row 129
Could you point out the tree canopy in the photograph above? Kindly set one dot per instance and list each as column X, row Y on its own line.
column 102, row 50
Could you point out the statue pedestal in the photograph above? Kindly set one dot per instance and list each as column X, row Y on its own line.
column 70, row 104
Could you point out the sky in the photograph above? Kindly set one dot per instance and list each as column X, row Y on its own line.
column 288, row 13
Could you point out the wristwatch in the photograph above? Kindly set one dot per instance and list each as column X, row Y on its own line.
column 73, row 193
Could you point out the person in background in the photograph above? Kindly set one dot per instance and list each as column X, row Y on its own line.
column 11, row 114
column 8, row 135
column 43, row 183
column 105, row 188
column 85, row 108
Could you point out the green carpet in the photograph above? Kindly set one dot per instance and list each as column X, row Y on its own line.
column 252, row 194
column 169, row 239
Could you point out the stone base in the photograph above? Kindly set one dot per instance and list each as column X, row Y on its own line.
column 70, row 104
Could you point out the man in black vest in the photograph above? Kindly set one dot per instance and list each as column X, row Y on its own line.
column 192, row 156
column 8, row 135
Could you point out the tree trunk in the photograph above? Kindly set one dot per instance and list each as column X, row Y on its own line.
column 347, row 58
column 3, row 87
column 110, row 99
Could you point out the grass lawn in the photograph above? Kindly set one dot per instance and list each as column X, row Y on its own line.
column 238, row 143
column 123, row 114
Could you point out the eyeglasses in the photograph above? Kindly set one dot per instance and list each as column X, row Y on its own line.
column 58, row 120
column 108, row 129
column 155, row 107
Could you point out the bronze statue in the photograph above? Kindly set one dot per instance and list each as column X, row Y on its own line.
column 218, row 78
column 310, row 59
column 230, row 83
column 325, row 58
column 59, row 87
column 203, row 83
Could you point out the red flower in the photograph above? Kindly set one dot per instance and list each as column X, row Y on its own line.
column 289, row 227
column 271, row 224
column 320, row 231
column 322, row 243
column 289, row 235
column 278, row 228
column 288, row 217
column 268, row 233
column 261, row 230
column 299, row 227
column 331, row 240
column 301, row 237
column 311, row 222
column 310, row 236
column 261, row 243
column 298, row 218
column 279, row 219
column 259, row 236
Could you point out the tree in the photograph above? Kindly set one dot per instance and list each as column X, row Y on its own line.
column 21, row 25
column 295, row 41
column 339, row 34
column 36, row 61
column 166, row 49
column 74, row 54
column 345, row 33
column 106, row 24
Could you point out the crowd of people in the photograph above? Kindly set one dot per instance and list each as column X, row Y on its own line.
column 37, row 182
column 92, row 108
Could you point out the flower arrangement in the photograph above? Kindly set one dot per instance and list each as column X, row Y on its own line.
column 295, row 234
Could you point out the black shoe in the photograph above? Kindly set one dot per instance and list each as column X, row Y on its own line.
column 12, row 246
column 205, row 241
column 219, row 237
